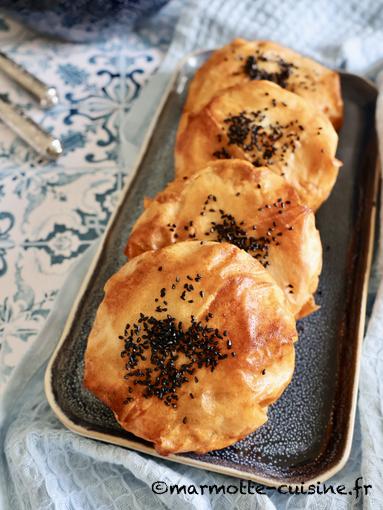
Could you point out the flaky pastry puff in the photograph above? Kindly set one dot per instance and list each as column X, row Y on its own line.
column 190, row 345
column 253, row 208
column 268, row 126
column 244, row 61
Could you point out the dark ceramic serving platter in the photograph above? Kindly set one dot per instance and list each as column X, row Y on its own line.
column 309, row 431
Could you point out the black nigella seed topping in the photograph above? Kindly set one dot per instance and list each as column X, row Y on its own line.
column 160, row 268
column 229, row 230
column 262, row 142
column 184, row 420
column 280, row 77
column 163, row 342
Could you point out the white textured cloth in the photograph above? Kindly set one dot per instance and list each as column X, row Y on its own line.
column 47, row 467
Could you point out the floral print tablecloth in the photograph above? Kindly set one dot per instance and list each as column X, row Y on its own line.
column 51, row 212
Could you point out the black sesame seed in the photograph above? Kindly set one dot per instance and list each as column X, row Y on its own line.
column 229, row 230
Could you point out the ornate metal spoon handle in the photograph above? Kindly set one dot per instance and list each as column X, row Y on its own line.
column 45, row 95
column 45, row 144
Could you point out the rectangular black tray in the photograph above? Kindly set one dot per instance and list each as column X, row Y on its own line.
column 309, row 432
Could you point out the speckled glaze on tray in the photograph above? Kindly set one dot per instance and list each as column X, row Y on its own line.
column 309, row 431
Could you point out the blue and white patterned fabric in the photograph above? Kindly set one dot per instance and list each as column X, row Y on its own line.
column 50, row 215
column 83, row 20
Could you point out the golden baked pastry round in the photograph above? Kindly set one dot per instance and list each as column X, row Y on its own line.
column 190, row 345
column 268, row 126
column 244, row 61
column 253, row 208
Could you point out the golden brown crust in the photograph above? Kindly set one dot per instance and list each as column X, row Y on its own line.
column 289, row 244
column 268, row 126
column 245, row 304
column 227, row 66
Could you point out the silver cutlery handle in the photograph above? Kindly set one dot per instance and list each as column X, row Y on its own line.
column 29, row 131
column 45, row 95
